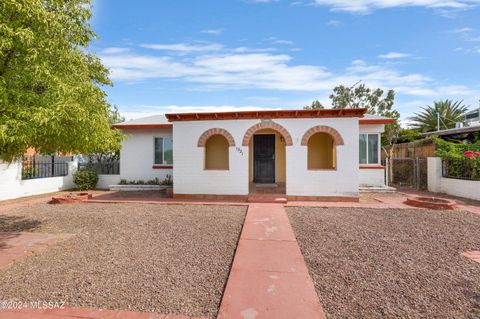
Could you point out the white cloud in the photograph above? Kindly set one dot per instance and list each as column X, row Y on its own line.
column 184, row 47
column 212, row 31
column 365, row 6
column 130, row 67
column 252, row 50
column 135, row 112
column 334, row 23
column 114, row 50
column 467, row 34
column 462, row 30
column 268, row 71
column 394, row 55
column 279, row 41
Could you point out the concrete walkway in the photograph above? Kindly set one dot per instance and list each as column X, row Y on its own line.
column 269, row 278
column 83, row 313
column 15, row 246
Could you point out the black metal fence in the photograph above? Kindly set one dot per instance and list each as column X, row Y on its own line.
column 44, row 166
column 468, row 169
column 104, row 167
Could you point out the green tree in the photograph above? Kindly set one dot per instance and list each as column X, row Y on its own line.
column 407, row 135
column 111, row 150
column 360, row 96
column 114, row 115
column 316, row 105
column 51, row 95
column 376, row 103
column 450, row 113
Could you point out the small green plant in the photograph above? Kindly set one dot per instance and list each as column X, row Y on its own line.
column 85, row 179
column 29, row 173
column 140, row 182
column 123, row 182
column 168, row 181
column 153, row 181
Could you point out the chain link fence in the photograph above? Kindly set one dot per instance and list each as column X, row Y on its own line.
column 408, row 172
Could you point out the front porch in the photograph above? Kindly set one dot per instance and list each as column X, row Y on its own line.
column 267, row 193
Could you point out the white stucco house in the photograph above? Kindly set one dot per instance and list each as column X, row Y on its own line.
column 304, row 154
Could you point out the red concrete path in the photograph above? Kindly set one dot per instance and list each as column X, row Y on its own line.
column 269, row 278
column 85, row 313
column 473, row 255
column 14, row 246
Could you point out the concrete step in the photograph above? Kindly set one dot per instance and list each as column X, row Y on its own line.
column 267, row 198
column 376, row 189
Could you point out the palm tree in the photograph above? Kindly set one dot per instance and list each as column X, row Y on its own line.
column 450, row 113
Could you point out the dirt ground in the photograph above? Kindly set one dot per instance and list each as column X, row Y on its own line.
column 159, row 258
column 396, row 263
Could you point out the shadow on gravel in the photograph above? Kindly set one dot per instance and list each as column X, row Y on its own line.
column 12, row 226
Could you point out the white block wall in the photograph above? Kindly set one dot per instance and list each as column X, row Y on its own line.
column 372, row 177
column 450, row 186
column 372, row 128
column 12, row 186
column 343, row 181
column 137, row 155
column 104, row 181
column 190, row 177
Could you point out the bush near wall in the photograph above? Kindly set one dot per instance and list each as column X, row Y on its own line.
column 459, row 160
column 451, row 150
column 85, row 179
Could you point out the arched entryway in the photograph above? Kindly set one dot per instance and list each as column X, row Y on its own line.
column 267, row 142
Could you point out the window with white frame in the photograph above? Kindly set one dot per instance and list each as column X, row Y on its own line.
column 369, row 148
column 163, row 150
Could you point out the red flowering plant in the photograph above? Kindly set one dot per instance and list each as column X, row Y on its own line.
column 470, row 154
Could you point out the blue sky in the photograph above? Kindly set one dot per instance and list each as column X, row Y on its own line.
column 172, row 56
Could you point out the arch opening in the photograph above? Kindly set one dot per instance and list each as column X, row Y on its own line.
column 217, row 153
column 321, row 152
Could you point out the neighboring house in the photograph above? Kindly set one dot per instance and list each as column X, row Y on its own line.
column 306, row 154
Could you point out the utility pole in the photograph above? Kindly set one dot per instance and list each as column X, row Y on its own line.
column 438, row 121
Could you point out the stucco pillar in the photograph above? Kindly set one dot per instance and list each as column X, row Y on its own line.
column 434, row 174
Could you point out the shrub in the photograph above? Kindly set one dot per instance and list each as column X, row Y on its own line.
column 454, row 151
column 123, row 182
column 29, row 173
column 85, row 179
column 168, row 181
column 153, row 181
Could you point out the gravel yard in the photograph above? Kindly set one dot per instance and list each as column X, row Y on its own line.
column 159, row 258
column 375, row 263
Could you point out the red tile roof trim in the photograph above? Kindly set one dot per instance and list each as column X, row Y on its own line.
column 376, row 121
column 266, row 114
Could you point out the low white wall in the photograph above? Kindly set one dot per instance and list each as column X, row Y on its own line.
column 372, row 177
column 12, row 186
column 450, row 186
column 104, row 181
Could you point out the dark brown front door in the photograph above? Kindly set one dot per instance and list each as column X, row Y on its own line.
column 264, row 158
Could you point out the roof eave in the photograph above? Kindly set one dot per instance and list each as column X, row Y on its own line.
column 266, row 114
column 123, row 126
column 376, row 121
